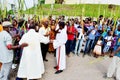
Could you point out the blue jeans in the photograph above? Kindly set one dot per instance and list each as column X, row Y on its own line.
column 5, row 70
column 78, row 46
column 89, row 45
column 95, row 41
column 73, row 45
column 106, row 48
column 69, row 46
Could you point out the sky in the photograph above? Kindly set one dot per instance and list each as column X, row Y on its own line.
column 29, row 3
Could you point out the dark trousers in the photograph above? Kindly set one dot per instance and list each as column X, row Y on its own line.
column 88, row 46
column 19, row 78
column 69, row 46
column 44, row 49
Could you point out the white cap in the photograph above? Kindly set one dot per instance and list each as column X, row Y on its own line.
column 7, row 24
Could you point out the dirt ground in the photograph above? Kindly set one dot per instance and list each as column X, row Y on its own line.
column 78, row 68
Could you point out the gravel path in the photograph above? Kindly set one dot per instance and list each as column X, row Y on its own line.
column 78, row 68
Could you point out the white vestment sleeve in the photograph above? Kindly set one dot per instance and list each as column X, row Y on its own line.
column 60, row 40
column 43, row 39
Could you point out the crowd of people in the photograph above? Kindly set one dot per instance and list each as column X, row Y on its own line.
column 26, row 43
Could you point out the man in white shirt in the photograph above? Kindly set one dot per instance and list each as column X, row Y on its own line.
column 6, row 52
column 44, row 30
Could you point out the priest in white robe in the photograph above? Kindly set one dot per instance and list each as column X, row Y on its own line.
column 31, row 64
column 59, row 45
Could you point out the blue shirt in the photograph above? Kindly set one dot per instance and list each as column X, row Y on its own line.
column 91, row 34
column 104, row 34
column 97, row 34
column 117, row 42
column 118, row 37
column 108, row 28
column 100, row 27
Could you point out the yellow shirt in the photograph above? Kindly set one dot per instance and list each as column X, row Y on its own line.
column 1, row 28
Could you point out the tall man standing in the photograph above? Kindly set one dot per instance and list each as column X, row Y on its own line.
column 44, row 30
column 59, row 45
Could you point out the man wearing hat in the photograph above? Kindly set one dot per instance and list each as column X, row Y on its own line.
column 6, row 52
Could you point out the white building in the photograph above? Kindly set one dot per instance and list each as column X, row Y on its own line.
column 117, row 2
column 30, row 3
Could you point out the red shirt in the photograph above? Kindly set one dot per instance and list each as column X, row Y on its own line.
column 71, row 31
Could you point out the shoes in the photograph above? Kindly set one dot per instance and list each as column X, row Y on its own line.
column 107, row 78
column 68, row 55
column 59, row 71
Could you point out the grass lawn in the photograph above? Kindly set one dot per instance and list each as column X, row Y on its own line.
column 92, row 10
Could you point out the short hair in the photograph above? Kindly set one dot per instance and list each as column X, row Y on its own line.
column 62, row 24
column 100, row 16
column 95, row 22
column 32, row 26
column 15, row 21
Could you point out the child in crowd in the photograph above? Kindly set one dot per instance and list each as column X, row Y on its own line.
column 108, row 41
column 98, row 48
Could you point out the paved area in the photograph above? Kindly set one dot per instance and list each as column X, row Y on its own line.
column 78, row 68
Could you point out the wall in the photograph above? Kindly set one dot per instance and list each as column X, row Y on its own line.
column 117, row 2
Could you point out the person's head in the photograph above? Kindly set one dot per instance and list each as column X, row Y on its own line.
column 46, row 24
column 50, row 17
column 53, row 22
column 7, row 25
column 67, row 23
column 101, row 17
column 32, row 26
column 36, row 26
column 5, row 19
column 76, row 21
column 109, row 33
column 14, row 22
column 94, row 23
column 61, row 25
column 62, row 17
column 86, row 20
